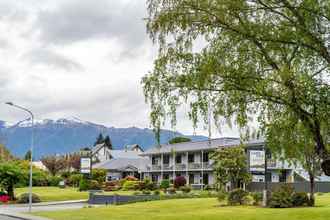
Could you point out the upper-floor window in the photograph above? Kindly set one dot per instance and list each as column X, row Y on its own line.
column 154, row 160
column 166, row 159
column 178, row 159
column 191, row 158
column 206, row 157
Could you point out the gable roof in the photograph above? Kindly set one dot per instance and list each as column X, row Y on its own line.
column 124, row 154
column 199, row 145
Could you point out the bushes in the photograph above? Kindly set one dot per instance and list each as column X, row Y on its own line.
column 24, row 198
column 54, row 180
column 171, row 190
column 282, row 198
column 99, row 175
column 179, row 181
column 300, row 199
column 74, row 179
column 164, row 184
column 113, row 185
column 84, row 184
column 185, row 189
column 130, row 185
column 237, row 197
column 257, row 198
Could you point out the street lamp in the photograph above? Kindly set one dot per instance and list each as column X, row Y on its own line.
column 31, row 148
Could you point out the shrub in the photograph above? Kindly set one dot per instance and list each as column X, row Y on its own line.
column 282, row 198
column 148, row 184
column 75, row 179
column 257, row 198
column 54, row 180
column 39, row 178
column 113, row 185
column 185, row 189
column 84, row 184
column 179, row 181
column 4, row 198
column 164, row 184
column 94, row 185
column 130, row 185
column 24, row 198
column 171, row 190
column 156, row 192
column 221, row 196
column 99, row 175
column 146, row 192
column 237, row 197
column 300, row 199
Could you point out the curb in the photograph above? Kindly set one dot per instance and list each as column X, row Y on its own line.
column 23, row 216
column 48, row 203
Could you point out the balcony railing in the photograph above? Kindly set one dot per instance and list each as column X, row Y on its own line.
column 180, row 166
column 207, row 165
column 167, row 167
column 194, row 166
column 156, row 167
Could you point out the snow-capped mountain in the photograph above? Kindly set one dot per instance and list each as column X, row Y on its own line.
column 70, row 134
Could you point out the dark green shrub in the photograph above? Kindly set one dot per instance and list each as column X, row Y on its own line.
column 300, row 199
column 179, row 181
column 257, row 198
column 164, row 184
column 148, row 184
column 39, row 178
column 237, row 197
column 185, row 189
column 24, row 198
column 221, row 196
column 54, row 180
column 156, row 192
column 282, row 198
column 84, row 184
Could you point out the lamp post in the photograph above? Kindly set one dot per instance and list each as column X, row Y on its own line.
column 31, row 148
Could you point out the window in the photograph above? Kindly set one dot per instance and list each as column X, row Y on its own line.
column 154, row 178
column 191, row 158
column 166, row 159
column 205, row 157
column 178, row 159
column 155, row 160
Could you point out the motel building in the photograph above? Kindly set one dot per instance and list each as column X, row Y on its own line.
column 193, row 161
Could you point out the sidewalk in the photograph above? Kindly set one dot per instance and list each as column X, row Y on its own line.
column 21, row 217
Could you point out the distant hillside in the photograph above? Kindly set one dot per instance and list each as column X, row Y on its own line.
column 67, row 135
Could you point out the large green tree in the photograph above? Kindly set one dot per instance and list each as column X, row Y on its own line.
column 243, row 59
column 230, row 166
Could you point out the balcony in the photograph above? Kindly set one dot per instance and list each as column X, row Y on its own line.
column 167, row 167
column 194, row 166
column 156, row 168
column 180, row 166
column 207, row 165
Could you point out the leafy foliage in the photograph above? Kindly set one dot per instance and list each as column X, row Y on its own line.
column 282, row 198
column 24, row 198
column 237, row 197
column 264, row 60
column 164, row 184
column 230, row 165
column 10, row 174
column 179, row 181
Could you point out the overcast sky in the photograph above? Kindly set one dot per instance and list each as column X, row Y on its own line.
column 79, row 58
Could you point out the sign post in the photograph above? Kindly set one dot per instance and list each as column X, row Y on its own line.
column 85, row 165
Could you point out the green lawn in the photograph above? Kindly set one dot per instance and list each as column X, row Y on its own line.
column 193, row 209
column 49, row 194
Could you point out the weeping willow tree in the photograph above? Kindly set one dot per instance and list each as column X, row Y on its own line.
column 260, row 59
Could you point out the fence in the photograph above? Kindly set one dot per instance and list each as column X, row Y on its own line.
column 298, row 186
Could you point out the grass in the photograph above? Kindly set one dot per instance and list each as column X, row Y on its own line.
column 193, row 209
column 51, row 194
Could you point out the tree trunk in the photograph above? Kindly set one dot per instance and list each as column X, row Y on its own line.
column 10, row 191
column 312, row 190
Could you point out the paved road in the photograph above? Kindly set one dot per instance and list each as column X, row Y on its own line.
column 7, row 218
column 38, row 208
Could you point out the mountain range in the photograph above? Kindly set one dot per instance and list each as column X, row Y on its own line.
column 71, row 134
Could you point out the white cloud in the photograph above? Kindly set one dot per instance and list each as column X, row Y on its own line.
column 78, row 58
